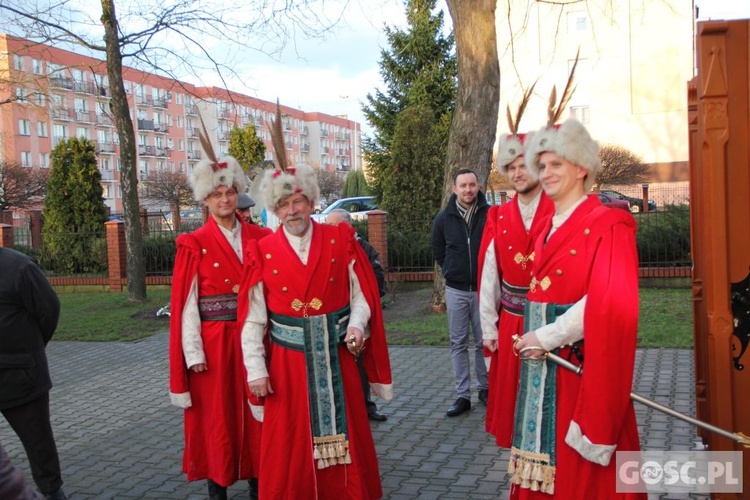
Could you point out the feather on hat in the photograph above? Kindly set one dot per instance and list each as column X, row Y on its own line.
column 570, row 140
column 511, row 146
column 212, row 172
column 284, row 180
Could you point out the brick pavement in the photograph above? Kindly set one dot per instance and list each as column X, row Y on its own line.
column 119, row 438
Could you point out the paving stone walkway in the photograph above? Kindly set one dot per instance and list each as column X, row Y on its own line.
column 119, row 437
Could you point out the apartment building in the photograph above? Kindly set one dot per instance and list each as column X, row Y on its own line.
column 631, row 79
column 51, row 94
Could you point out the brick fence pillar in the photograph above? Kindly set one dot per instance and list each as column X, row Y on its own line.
column 6, row 235
column 7, row 217
column 36, row 223
column 116, row 254
column 144, row 222
column 645, row 197
column 377, row 234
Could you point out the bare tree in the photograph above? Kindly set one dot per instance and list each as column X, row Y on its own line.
column 168, row 39
column 620, row 166
column 21, row 187
column 172, row 189
column 330, row 183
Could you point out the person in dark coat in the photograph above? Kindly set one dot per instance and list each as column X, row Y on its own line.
column 29, row 310
column 334, row 218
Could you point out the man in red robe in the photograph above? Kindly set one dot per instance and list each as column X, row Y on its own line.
column 207, row 375
column 312, row 296
column 505, row 259
column 582, row 303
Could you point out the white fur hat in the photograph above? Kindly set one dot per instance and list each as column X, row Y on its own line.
column 207, row 176
column 570, row 141
column 509, row 147
column 277, row 184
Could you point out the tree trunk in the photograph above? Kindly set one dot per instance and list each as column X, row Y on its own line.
column 474, row 124
column 135, row 269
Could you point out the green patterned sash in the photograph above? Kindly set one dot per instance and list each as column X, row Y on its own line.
column 532, row 461
column 318, row 338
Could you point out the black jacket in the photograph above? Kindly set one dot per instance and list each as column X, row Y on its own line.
column 455, row 245
column 374, row 257
column 29, row 310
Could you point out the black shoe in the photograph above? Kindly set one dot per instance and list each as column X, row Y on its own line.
column 57, row 495
column 215, row 491
column 376, row 416
column 253, row 483
column 462, row 405
column 483, row 393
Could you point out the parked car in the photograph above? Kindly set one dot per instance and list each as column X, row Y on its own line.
column 320, row 206
column 189, row 220
column 613, row 202
column 636, row 204
column 357, row 207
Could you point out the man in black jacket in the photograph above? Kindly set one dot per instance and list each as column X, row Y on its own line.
column 29, row 310
column 456, row 236
column 334, row 218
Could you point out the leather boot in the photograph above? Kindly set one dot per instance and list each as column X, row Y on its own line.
column 253, row 483
column 215, row 491
column 57, row 495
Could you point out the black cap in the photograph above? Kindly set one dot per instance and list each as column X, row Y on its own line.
column 245, row 202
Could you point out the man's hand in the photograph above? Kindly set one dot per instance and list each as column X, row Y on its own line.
column 490, row 345
column 260, row 387
column 200, row 367
column 355, row 340
column 529, row 339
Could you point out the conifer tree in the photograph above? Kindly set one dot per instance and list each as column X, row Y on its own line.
column 74, row 210
column 419, row 69
column 246, row 147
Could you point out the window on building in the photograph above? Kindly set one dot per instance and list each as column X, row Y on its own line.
column 24, row 127
column 20, row 95
column 178, row 98
column 170, row 143
column 106, row 190
column 179, row 121
column 58, row 101
column 128, row 87
column 169, row 120
column 159, row 142
column 26, row 158
column 160, row 166
column 53, row 68
column 80, row 105
column 82, row 132
column 44, row 160
column 182, row 166
column 578, row 21
column 78, row 75
column 102, row 136
column 142, row 139
column 60, row 131
column 580, row 113
column 119, row 190
column 41, row 129
column 105, row 164
column 39, row 98
column 180, row 145
column 17, row 62
column 38, row 66
column 139, row 90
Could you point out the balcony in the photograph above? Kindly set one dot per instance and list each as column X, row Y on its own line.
column 58, row 139
column 145, row 124
column 192, row 132
column 104, row 121
column 325, row 151
column 85, row 116
column 160, row 102
column 63, row 114
column 289, row 145
column 59, row 82
column 105, row 147
column 143, row 100
column 194, row 155
column 146, row 150
column 323, row 133
column 222, row 114
column 341, row 137
column 305, row 147
column 343, row 152
column 304, row 130
column 161, row 128
column 223, row 136
column 343, row 167
column 287, row 126
column 163, row 152
column 84, row 87
column 107, row 175
column 191, row 109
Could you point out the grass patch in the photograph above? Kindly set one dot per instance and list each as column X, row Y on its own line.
column 100, row 317
column 666, row 318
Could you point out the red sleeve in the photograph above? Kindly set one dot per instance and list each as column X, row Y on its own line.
column 610, row 335
column 185, row 268
column 375, row 358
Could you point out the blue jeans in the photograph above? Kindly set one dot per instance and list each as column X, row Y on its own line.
column 463, row 318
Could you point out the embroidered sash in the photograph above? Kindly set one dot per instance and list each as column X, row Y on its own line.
column 318, row 338
column 532, row 456
column 513, row 298
column 218, row 307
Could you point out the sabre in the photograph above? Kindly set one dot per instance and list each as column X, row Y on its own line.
column 737, row 437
